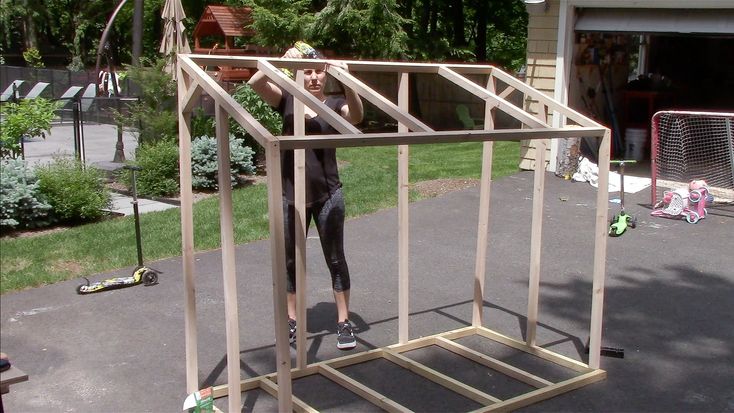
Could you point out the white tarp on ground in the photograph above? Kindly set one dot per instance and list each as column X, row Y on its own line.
column 589, row 172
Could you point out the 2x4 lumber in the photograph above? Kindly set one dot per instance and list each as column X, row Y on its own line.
column 536, row 233
column 545, row 99
column 277, row 265
column 457, row 333
column 238, row 113
column 299, row 195
column 356, row 65
column 226, row 224
column 187, row 239
column 546, row 392
column 298, row 404
column 545, row 354
column 344, row 361
column 485, row 94
column 189, row 99
column 600, row 251
column 491, row 362
column 361, row 390
column 248, row 384
column 398, row 113
column 284, row 82
column 480, row 263
column 396, row 138
column 403, row 217
column 441, row 379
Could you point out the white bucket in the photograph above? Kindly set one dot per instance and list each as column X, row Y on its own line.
column 635, row 142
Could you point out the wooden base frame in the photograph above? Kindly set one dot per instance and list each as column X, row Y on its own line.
column 544, row 389
column 193, row 81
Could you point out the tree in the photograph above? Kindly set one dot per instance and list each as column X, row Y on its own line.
column 361, row 28
column 280, row 23
column 27, row 118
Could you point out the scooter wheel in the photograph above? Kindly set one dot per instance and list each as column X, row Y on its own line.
column 692, row 217
column 150, row 278
column 695, row 196
column 633, row 222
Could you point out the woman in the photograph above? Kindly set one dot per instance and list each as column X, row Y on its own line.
column 324, row 200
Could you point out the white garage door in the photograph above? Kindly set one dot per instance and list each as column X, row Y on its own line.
column 716, row 21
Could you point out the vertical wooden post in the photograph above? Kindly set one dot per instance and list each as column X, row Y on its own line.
column 299, row 195
column 536, row 234
column 480, row 271
column 403, row 217
column 600, row 250
column 277, row 258
column 228, row 261
column 187, row 235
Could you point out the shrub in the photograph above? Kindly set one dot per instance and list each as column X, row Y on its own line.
column 20, row 203
column 29, row 117
column 204, row 161
column 159, row 163
column 266, row 115
column 77, row 194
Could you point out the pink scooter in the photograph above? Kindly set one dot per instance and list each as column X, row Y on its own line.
column 685, row 203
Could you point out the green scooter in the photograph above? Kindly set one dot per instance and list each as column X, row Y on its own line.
column 620, row 222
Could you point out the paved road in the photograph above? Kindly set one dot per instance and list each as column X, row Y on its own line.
column 668, row 303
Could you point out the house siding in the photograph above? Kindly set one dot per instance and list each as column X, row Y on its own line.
column 541, row 69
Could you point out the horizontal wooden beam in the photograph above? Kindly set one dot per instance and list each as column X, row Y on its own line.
column 354, row 65
column 413, row 138
column 363, row 391
column 492, row 363
column 535, row 350
column 535, row 396
column 441, row 379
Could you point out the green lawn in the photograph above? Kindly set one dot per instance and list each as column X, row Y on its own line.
column 370, row 180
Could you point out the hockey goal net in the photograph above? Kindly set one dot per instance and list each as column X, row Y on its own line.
column 693, row 145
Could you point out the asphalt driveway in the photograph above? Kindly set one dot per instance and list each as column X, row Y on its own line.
column 669, row 304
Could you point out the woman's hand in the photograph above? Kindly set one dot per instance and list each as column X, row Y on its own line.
column 293, row 53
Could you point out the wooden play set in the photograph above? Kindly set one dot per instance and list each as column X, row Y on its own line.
column 193, row 81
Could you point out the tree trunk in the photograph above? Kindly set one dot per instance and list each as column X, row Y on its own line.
column 457, row 15
column 569, row 150
column 137, row 32
column 30, row 32
column 425, row 17
column 481, row 41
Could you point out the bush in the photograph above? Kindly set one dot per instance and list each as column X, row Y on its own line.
column 159, row 163
column 261, row 111
column 77, row 194
column 21, row 206
column 204, row 161
column 29, row 117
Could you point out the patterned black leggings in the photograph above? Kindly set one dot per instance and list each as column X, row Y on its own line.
column 329, row 218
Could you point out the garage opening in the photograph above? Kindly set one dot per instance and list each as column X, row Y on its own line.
column 630, row 63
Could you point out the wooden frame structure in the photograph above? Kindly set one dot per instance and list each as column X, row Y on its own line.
column 193, row 81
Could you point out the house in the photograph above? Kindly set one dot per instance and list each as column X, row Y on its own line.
column 621, row 60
